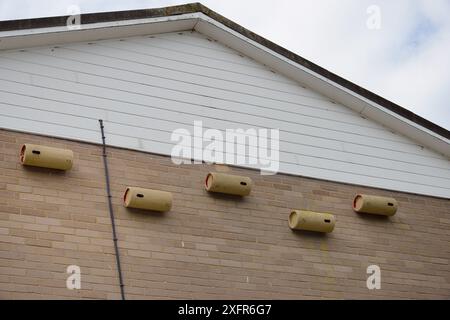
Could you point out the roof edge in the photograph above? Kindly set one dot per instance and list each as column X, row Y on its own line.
column 89, row 18
column 99, row 17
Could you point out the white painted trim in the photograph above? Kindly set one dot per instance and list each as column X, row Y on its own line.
column 100, row 25
column 90, row 32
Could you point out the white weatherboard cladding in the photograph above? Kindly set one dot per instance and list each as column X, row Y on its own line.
column 145, row 87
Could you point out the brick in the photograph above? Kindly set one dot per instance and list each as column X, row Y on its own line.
column 9, row 209
column 31, row 197
column 50, row 236
column 48, row 221
column 33, row 212
column 18, row 188
column 62, row 230
column 139, row 253
column 91, row 248
column 22, row 233
column 64, row 245
column 76, row 239
column 56, row 200
column 35, row 227
column 38, row 243
column 11, row 239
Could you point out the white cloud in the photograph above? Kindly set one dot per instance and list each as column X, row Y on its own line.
column 406, row 61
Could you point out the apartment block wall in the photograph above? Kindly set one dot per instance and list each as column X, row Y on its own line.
column 208, row 246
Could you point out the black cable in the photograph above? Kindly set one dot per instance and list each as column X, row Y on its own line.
column 111, row 212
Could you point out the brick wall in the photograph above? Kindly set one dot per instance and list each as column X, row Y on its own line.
column 208, row 246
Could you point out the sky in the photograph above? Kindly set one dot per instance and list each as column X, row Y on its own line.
column 398, row 49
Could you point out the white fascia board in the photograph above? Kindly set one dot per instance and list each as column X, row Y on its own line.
column 317, row 82
column 27, row 38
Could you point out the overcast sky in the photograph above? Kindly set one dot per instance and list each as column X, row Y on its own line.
column 406, row 59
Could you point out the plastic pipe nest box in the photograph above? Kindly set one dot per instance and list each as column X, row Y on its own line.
column 311, row 221
column 375, row 205
column 147, row 199
column 229, row 184
column 46, row 157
